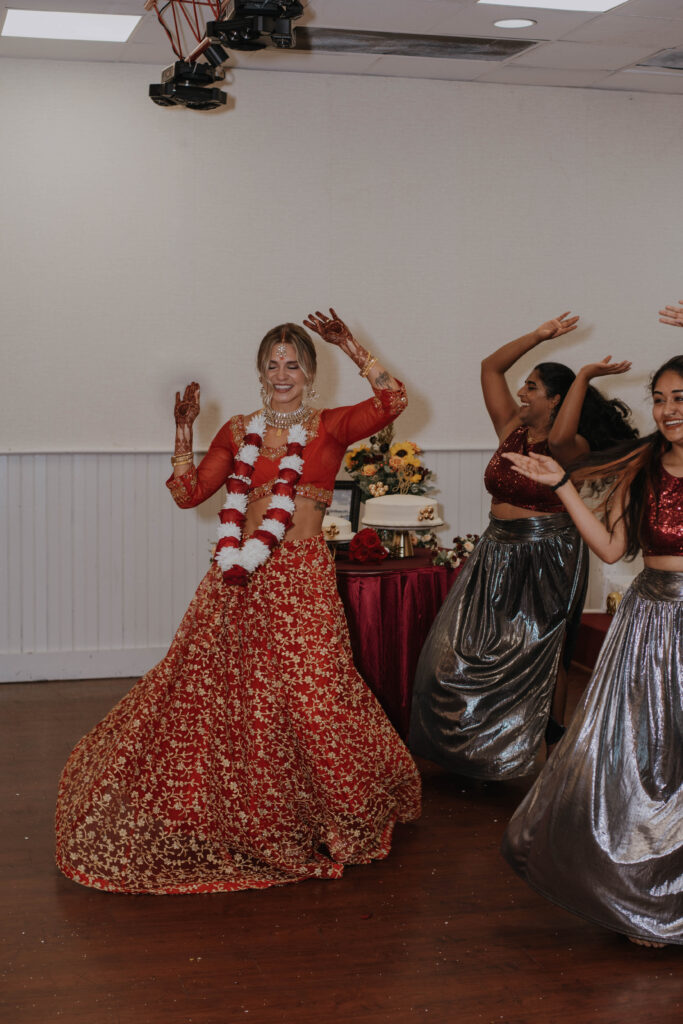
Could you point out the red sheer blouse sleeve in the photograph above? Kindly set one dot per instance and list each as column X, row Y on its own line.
column 200, row 482
column 351, row 423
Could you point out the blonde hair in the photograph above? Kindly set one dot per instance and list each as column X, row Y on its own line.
column 298, row 338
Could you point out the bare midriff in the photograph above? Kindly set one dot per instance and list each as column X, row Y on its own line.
column 306, row 522
column 667, row 563
column 501, row 510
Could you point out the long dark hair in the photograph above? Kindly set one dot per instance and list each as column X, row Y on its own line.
column 603, row 421
column 631, row 467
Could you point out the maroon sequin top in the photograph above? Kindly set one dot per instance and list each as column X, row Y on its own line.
column 505, row 484
column 662, row 531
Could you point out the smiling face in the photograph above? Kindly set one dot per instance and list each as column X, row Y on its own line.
column 667, row 406
column 536, row 407
column 284, row 377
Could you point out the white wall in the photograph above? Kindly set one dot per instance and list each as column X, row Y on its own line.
column 141, row 248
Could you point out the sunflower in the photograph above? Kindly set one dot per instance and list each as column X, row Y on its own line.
column 353, row 454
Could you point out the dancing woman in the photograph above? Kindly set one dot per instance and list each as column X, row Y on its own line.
column 253, row 754
column 487, row 674
column 601, row 830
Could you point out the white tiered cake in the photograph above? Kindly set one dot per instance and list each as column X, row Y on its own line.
column 402, row 512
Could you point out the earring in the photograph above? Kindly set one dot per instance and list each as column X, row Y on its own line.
column 265, row 395
column 311, row 393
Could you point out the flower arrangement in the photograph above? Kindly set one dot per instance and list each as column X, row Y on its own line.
column 383, row 466
column 449, row 557
column 367, row 547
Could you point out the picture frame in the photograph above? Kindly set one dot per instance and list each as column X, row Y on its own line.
column 346, row 502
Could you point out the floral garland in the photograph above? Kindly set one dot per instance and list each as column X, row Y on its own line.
column 239, row 558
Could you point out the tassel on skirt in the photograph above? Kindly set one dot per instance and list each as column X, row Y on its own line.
column 252, row 755
column 601, row 831
column 486, row 675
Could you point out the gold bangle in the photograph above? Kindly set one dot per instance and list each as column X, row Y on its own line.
column 367, row 365
column 180, row 460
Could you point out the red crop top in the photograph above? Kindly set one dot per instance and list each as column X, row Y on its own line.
column 662, row 529
column 331, row 431
column 505, row 484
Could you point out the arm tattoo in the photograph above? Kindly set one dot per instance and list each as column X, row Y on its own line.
column 383, row 380
column 320, row 506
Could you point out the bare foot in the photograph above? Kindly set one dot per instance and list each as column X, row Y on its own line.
column 646, row 942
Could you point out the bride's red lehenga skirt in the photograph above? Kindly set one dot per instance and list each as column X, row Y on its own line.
column 252, row 755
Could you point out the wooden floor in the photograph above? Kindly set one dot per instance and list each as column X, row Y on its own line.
column 440, row 932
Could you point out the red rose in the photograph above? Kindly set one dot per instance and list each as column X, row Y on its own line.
column 367, row 547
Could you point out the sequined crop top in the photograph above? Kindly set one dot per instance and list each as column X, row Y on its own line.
column 662, row 529
column 330, row 432
column 505, row 484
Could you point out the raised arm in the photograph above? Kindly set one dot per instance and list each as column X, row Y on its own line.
column 334, row 331
column 499, row 400
column 564, row 441
column 190, row 485
column 185, row 413
column 672, row 315
column 610, row 547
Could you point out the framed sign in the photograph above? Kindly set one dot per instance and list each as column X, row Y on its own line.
column 346, row 502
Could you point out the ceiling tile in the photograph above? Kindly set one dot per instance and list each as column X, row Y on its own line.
column 511, row 74
column 615, row 28
column 654, row 8
column 478, row 20
column 379, row 15
column 419, row 67
column 582, row 56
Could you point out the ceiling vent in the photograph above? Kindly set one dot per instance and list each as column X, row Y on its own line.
column 672, row 59
column 332, row 40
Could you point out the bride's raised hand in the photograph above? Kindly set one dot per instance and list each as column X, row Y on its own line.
column 331, row 329
column 562, row 324
column 541, row 468
column 187, row 408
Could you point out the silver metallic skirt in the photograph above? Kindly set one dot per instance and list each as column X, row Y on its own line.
column 601, row 830
column 487, row 672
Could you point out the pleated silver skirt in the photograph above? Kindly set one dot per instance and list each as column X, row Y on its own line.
column 601, row 830
column 487, row 672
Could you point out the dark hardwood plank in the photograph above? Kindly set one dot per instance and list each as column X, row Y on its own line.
column 442, row 931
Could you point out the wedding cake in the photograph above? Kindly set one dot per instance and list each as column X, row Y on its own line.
column 402, row 512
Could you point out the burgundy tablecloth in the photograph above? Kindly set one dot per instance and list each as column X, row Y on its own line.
column 390, row 607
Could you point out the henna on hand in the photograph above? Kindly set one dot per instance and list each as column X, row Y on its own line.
column 185, row 412
column 330, row 328
column 187, row 409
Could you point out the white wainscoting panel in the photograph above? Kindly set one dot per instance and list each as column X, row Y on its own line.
column 97, row 564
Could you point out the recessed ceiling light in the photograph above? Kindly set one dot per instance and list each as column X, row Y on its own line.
column 514, row 23
column 595, row 6
column 102, row 28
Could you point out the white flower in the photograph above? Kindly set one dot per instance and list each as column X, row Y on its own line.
column 274, row 526
column 282, row 501
column 227, row 557
column 297, row 435
column 257, row 425
column 254, row 553
column 229, row 530
column 248, row 453
column 238, row 501
column 294, row 462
